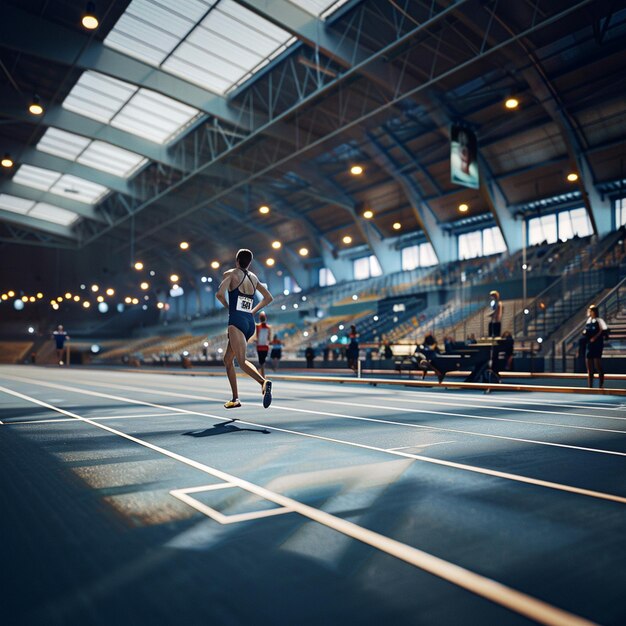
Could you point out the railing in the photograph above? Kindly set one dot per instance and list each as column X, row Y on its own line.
column 609, row 306
column 557, row 303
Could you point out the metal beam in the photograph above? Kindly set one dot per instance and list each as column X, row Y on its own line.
column 58, row 117
column 37, row 195
column 34, row 35
column 424, row 215
column 25, row 221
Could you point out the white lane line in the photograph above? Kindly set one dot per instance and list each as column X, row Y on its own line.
column 69, row 419
column 498, row 404
column 421, row 445
column 467, row 416
column 482, row 586
column 434, row 461
column 365, row 419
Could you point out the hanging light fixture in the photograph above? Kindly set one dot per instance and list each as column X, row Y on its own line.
column 90, row 19
column 35, row 107
column 7, row 161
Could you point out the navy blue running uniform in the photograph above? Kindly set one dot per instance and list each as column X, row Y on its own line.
column 239, row 308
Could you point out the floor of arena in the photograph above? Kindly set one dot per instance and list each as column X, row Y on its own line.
column 133, row 498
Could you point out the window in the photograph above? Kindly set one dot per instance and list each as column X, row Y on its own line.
column 428, row 258
column 542, row 230
column 419, row 255
column 326, row 277
column 470, row 245
column 574, row 223
column 366, row 267
column 493, row 241
column 620, row 213
column 410, row 258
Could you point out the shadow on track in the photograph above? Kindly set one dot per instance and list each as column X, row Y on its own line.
column 222, row 429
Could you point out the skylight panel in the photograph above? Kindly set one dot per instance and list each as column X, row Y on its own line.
column 97, row 154
column 40, row 210
column 51, row 213
column 149, row 30
column 103, row 156
column 62, row 144
column 79, row 189
column 319, row 7
column 15, row 204
column 213, row 44
column 36, row 177
column 136, row 110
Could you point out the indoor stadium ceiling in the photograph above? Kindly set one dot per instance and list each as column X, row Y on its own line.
column 176, row 121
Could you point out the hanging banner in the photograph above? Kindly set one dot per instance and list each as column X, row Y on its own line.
column 463, row 157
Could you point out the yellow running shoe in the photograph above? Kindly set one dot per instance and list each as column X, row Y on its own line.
column 232, row 404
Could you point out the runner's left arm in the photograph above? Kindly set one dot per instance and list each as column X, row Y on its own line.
column 267, row 298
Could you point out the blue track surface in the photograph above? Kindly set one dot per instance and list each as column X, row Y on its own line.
column 527, row 490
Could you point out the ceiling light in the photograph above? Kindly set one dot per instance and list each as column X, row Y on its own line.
column 35, row 106
column 174, row 278
column 32, row 299
column 110, row 292
column 40, row 295
column 135, row 300
column 138, row 265
column 7, row 161
column 144, row 286
column 100, row 298
column 303, row 251
column 511, row 103
column 215, row 265
column 276, row 245
column 397, row 226
column 347, row 239
column 68, row 296
column 270, row 262
column 368, row 215
column 89, row 20
column 59, row 299
column 24, row 298
column 264, row 210
column 94, row 288
column 76, row 298
column 572, row 177
column 128, row 299
column 464, row 208
column 356, row 170
column 10, row 293
column 159, row 305
column 184, row 245
column 86, row 304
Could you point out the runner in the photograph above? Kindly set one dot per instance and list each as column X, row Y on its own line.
column 277, row 351
column 60, row 337
column 241, row 286
column 263, row 337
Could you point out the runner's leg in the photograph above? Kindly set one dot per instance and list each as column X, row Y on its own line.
column 237, row 342
column 229, row 357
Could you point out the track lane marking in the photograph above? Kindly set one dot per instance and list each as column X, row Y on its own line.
column 484, row 587
column 537, row 482
column 370, row 419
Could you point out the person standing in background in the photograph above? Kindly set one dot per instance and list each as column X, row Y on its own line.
column 277, row 351
column 309, row 355
column 594, row 332
column 60, row 337
column 263, row 338
column 495, row 314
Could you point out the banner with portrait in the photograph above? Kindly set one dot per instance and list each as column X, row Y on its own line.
column 463, row 157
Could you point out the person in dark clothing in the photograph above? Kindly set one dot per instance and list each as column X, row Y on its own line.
column 387, row 351
column 507, row 347
column 594, row 332
column 495, row 314
column 309, row 355
column 60, row 337
column 352, row 352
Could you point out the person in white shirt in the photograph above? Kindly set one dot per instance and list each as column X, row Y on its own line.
column 595, row 330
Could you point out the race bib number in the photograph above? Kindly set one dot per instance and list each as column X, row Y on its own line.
column 244, row 303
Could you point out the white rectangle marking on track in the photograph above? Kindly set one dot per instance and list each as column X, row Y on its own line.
column 451, row 464
column 184, row 496
column 482, row 586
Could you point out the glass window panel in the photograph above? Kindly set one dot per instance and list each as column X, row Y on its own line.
column 410, row 258
column 493, row 242
column 361, row 268
column 15, row 204
column 620, row 212
column 63, row 144
column 53, row 214
column 36, row 177
column 79, row 189
column 542, row 230
column 427, row 255
column 326, row 277
column 581, row 225
column 470, row 245
column 375, row 268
